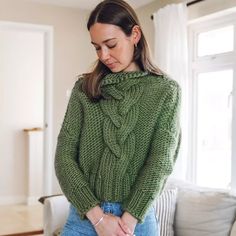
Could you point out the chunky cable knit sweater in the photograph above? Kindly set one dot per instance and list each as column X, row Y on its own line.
column 122, row 148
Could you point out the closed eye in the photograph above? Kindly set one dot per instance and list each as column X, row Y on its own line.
column 111, row 46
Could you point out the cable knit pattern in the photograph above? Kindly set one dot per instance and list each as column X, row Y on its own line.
column 123, row 147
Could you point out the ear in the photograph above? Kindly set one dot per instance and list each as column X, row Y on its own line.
column 136, row 34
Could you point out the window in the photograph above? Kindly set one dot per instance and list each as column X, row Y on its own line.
column 214, row 118
column 213, row 81
column 216, row 41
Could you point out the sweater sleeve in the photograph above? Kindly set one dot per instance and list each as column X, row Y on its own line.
column 162, row 155
column 70, row 177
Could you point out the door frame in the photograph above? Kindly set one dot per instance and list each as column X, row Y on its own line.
column 48, row 33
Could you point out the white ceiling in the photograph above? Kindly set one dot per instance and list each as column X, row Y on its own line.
column 88, row 4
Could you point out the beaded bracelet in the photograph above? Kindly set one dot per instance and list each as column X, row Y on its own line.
column 99, row 221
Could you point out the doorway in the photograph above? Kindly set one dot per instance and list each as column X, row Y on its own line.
column 26, row 76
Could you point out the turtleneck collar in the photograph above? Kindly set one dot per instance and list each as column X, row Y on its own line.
column 115, row 78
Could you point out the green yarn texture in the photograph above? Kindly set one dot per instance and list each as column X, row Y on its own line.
column 123, row 147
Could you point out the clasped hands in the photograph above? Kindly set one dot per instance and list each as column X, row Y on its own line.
column 111, row 225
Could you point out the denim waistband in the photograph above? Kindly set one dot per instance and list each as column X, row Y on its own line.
column 114, row 208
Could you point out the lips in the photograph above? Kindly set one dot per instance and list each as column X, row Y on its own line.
column 111, row 65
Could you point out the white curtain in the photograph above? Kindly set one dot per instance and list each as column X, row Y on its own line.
column 171, row 56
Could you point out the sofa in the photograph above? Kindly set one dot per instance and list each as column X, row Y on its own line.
column 183, row 209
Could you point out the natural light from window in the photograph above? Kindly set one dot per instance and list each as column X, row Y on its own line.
column 214, row 118
column 216, row 41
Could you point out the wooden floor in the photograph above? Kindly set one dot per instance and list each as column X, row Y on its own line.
column 20, row 219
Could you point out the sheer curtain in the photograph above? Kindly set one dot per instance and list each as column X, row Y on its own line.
column 170, row 55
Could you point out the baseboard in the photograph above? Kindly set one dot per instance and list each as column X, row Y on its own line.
column 11, row 200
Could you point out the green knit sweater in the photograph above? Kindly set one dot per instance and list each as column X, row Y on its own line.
column 122, row 148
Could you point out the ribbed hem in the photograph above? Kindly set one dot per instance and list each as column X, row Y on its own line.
column 85, row 201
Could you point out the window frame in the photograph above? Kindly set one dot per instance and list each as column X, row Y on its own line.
column 216, row 62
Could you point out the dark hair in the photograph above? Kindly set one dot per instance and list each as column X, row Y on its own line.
column 119, row 13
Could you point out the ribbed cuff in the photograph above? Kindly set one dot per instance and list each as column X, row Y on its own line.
column 85, row 201
column 139, row 204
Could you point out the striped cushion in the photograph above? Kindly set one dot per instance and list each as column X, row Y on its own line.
column 233, row 230
column 165, row 211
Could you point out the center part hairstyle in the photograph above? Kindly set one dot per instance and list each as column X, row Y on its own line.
column 121, row 14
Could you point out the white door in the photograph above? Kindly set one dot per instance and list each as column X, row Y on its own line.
column 23, row 103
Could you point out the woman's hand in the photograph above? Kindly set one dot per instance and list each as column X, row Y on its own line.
column 111, row 226
column 128, row 221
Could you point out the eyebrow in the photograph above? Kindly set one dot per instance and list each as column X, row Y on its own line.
column 105, row 41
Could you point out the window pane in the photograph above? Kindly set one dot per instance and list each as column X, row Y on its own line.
column 214, row 109
column 216, row 41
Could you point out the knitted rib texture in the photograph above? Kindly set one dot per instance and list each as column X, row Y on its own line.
column 122, row 148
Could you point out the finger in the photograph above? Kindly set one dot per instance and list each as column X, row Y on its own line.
column 124, row 227
column 121, row 233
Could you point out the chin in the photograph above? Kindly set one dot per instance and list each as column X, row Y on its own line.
column 116, row 70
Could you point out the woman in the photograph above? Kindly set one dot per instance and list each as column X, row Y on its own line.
column 120, row 136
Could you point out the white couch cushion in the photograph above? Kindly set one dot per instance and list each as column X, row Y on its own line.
column 165, row 211
column 56, row 210
column 205, row 212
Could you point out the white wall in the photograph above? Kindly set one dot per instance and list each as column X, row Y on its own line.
column 22, row 96
column 208, row 7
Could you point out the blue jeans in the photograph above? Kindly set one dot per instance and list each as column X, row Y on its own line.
column 77, row 227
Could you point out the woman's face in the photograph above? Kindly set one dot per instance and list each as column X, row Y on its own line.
column 114, row 49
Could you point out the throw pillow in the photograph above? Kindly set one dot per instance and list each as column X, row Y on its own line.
column 205, row 212
column 165, row 211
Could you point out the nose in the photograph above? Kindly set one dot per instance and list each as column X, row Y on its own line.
column 104, row 54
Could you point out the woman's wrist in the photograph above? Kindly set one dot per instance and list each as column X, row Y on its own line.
column 99, row 221
column 129, row 220
column 127, row 216
column 95, row 214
